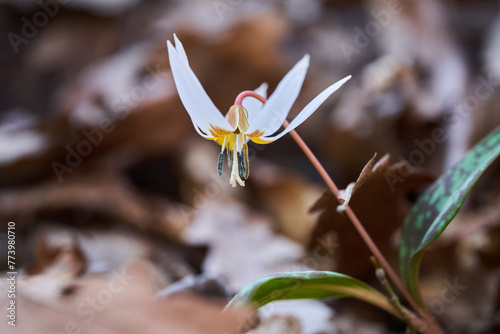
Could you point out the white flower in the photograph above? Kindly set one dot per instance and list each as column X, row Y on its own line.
column 251, row 118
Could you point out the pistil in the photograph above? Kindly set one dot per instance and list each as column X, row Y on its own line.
column 235, row 171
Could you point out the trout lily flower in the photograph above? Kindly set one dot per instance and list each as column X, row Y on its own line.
column 252, row 117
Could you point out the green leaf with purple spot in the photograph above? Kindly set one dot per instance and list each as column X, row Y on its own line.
column 308, row 285
column 436, row 208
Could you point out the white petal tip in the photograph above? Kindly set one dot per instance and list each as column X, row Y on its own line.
column 262, row 89
column 176, row 40
column 342, row 81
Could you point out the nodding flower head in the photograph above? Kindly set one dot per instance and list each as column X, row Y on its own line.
column 252, row 117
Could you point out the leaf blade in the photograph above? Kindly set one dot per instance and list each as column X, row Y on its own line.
column 439, row 204
column 309, row 285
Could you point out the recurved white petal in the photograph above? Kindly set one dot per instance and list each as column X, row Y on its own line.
column 281, row 100
column 254, row 106
column 198, row 104
column 309, row 109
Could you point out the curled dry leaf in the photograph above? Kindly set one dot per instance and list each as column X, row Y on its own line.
column 379, row 199
column 347, row 193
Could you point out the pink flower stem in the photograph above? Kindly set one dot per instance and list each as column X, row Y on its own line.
column 433, row 327
column 430, row 326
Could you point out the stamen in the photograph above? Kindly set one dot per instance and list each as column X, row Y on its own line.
column 220, row 160
column 219, row 163
column 223, row 146
column 241, row 162
column 240, row 181
column 237, row 157
column 246, row 161
column 234, row 169
column 229, row 158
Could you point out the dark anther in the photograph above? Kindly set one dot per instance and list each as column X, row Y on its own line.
column 241, row 162
column 219, row 163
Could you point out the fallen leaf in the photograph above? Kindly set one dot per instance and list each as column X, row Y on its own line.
column 121, row 302
column 242, row 246
column 314, row 316
column 288, row 196
column 379, row 199
column 346, row 194
column 58, row 253
column 112, row 223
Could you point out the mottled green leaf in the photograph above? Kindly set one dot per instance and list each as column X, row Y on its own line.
column 439, row 204
column 309, row 285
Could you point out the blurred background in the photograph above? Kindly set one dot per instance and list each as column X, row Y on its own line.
column 122, row 223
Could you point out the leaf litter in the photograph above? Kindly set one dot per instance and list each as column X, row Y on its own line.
column 129, row 205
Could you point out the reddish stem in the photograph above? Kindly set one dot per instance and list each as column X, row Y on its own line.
column 433, row 327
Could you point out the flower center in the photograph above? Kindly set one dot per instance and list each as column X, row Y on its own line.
column 237, row 158
column 235, row 143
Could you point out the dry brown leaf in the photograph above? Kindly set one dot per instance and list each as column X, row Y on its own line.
column 105, row 206
column 120, row 303
column 346, row 194
column 242, row 245
column 288, row 197
column 89, row 199
column 58, row 253
column 380, row 202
